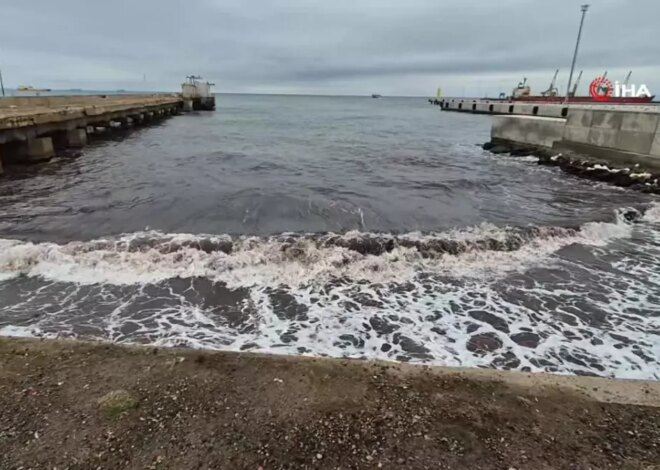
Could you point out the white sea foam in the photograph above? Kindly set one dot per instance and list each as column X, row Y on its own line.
column 19, row 331
column 321, row 294
column 652, row 214
column 276, row 260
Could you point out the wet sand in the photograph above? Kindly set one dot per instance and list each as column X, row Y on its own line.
column 70, row 404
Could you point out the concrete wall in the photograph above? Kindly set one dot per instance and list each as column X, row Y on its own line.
column 655, row 147
column 619, row 136
column 621, row 130
column 532, row 130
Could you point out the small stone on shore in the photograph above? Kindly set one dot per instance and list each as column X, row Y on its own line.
column 116, row 402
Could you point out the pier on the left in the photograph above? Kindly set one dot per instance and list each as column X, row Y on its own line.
column 34, row 129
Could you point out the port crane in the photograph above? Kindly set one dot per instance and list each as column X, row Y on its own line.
column 625, row 82
column 575, row 86
column 552, row 89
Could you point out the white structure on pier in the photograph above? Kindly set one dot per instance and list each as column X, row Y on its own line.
column 197, row 94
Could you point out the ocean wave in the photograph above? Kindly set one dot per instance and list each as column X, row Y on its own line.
column 298, row 259
column 457, row 298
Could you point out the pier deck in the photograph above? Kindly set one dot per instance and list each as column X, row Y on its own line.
column 24, row 112
column 33, row 128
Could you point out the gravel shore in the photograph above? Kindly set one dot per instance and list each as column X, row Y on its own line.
column 77, row 405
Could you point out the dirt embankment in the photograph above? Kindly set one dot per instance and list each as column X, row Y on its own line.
column 79, row 405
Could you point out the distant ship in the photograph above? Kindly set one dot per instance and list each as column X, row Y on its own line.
column 30, row 88
column 376, row 95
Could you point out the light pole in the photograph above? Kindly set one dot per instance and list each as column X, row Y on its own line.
column 584, row 9
column 2, row 85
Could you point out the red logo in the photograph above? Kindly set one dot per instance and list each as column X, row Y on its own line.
column 601, row 89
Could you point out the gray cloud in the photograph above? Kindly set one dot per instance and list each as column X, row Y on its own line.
column 314, row 46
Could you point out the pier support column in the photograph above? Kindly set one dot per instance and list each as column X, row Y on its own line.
column 76, row 138
column 39, row 149
column 70, row 138
column 187, row 106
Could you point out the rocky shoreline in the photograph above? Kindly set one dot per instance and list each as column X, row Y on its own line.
column 634, row 176
column 78, row 405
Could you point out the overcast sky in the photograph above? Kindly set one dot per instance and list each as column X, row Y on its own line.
column 393, row 47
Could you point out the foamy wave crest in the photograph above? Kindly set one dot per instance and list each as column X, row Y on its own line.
column 652, row 214
column 298, row 259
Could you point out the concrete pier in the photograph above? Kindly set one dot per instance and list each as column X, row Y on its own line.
column 625, row 135
column 526, row 108
column 32, row 129
column 594, row 140
column 618, row 144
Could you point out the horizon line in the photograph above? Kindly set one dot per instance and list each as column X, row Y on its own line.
column 124, row 90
